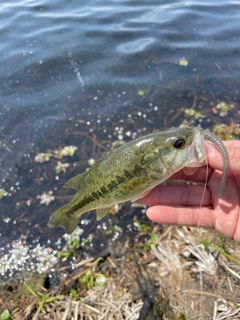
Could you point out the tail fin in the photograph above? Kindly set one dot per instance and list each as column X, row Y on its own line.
column 61, row 218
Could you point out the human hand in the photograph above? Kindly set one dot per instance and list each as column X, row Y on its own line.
column 180, row 204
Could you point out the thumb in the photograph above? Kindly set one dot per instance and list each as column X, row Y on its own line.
column 215, row 159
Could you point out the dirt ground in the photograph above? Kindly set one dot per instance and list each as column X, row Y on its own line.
column 187, row 273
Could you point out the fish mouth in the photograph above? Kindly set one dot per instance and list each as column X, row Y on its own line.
column 196, row 153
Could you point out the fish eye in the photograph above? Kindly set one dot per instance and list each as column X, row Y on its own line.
column 179, row 143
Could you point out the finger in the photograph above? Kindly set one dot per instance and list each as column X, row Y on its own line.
column 181, row 195
column 190, row 216
column 189, row 171
column 215, row 158
column 232, row 143
column 224, row 217
column 201, row 175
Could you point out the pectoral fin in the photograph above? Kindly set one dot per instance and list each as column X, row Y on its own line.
column 102, row 212
column 74, row 182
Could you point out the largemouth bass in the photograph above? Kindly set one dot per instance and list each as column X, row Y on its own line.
column 131, row 171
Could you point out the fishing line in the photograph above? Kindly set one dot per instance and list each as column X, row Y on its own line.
column 200, row 206
column 203, row 195
column 205, row 185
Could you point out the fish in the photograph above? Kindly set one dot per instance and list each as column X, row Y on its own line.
column 131, row 171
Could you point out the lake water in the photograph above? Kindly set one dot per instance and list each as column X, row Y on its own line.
column 88, row 73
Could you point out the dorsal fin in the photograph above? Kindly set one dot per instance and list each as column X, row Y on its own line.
column 74, row 182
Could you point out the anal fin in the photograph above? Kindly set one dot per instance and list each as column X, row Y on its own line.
column 102, row 212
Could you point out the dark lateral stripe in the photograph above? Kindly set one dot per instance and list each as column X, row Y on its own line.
column 99, row 193
column 85, row 201
column 127, row 174
column 113, row 184
column 120, row 179
column 105, row 190
column 136, row 170
column 95, row 195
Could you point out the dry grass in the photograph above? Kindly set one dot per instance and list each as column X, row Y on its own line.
column 178, row 279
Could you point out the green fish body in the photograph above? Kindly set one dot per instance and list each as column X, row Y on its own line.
column 130, row 172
